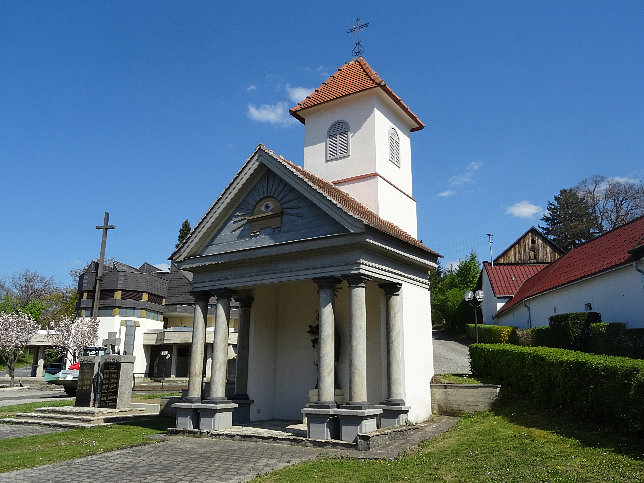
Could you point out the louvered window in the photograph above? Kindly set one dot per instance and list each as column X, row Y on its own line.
column 394, row 146
column 337, row 142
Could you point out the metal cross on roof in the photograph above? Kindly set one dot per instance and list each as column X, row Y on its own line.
column 356, row 29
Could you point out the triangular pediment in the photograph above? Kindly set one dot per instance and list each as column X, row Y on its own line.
column 265, row 204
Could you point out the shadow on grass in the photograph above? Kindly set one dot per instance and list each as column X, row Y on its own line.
column 156, row 423
column 527, row 413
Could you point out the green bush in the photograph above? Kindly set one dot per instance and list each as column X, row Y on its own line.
column 593, row 387
column 635, row 341
column 609, row 339
column 542, row 336
column 490, row 334
column 524, row 337
column 572, row 330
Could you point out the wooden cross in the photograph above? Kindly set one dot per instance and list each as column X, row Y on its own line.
column 356, row 29
column 99, row 274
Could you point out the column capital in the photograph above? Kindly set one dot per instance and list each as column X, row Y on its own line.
column 244, row 302
column 391, row 288
column 224, row 293
column 326, row 282
column 201, row 294
column 356, row 279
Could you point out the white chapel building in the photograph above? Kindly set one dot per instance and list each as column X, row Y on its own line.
column 324, row 262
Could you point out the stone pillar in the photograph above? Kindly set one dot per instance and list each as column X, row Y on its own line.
column 358, row 342
column 326, row 363
column 195, row 376
column 395, row 358
column 217, row 391
column 241, row 368
column 38, row 365
column 173, row 360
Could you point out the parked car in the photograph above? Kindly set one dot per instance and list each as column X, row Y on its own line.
column 68, row 378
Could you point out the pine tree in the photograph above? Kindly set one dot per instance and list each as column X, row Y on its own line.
column 184, row 231
column 569, row 220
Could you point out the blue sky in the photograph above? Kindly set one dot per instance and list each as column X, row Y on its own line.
column 147, row 110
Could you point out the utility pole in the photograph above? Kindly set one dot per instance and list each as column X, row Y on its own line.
column 99, row 273
column 489, row 237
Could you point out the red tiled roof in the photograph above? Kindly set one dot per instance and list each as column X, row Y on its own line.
column 353, row 77
column 507, row 279
column 349, row 204
column 607, row 251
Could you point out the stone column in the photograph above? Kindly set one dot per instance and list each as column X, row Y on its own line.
column 173, row 360
column 241, row 368
column 394, row 333
column 217, row 391
column 326, row 363
column 195, row 376
column 38, row 365
column 358, row 342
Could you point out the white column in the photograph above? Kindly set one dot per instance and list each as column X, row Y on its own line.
column 195, row 376
column 241, row 367
column 326, row 363
column 358, row 341
column 173, row 360
column 394, row 333
column 220, row 347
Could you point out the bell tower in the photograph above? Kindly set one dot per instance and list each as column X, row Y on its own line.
column 357, row 136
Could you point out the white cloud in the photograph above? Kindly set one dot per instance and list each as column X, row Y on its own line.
column 164, row 267
column 467, row 176
column 523, row 209
column 446, row 193
column 297, row 94
column 473, row 166
column 251, row 88
column 271, row 113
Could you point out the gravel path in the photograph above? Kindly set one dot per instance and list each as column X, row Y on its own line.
column 450, row 356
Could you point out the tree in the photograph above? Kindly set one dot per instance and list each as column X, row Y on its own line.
column 71, row 334
column 16, row 330
column 613, row 201
column 184, row 232
column 569, row 220
column 27, row 286
column 447, row 290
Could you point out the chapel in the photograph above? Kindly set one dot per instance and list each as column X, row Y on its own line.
column 323, row 261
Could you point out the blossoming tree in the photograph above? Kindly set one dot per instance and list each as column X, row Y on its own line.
column 70, row 335
column 15, row 332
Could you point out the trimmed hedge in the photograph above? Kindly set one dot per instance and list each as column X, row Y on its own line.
column 490, row 334
column 572, row 330
column 593, row 387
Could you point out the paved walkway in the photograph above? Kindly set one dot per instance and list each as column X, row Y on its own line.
column 191, row 459
column 450, row 356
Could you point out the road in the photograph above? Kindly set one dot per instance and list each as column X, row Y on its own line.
column 450, row 356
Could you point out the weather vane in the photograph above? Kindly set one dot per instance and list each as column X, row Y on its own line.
column 356, row 29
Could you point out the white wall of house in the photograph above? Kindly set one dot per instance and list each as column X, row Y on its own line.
column 618, row 295
column 490, row 304
column 141, row 352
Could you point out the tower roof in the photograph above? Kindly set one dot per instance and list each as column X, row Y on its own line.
column 353, row 77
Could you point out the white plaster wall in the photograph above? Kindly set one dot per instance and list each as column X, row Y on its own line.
column 358, row 111
column 490, row 304
column 113, row 324
column 397, row 208
column 262, row 352
column 419, row 354
column 364, row 190
column 617, row 295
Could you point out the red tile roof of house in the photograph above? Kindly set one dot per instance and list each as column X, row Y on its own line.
column 353, row 77
column 349, row 204
column 507, row 279
column 605, row 252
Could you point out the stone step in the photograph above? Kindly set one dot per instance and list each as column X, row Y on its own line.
column 73, row 417
column 56, row 424
column 56, row 417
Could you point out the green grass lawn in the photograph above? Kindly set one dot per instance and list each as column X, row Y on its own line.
column 10, row 411
column 43, row 449
column 510, row 444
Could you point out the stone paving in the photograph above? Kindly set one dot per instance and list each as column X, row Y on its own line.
column 197, row 459
column 450, row 356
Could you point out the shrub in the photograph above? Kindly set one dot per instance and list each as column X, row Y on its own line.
column 542, row 336
column 635, row 340
column 490, row 334
column 609, row 339
column 524, row 337
column 593, row 387
column 572, row 330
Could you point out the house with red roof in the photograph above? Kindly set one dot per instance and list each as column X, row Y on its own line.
column 605, row 275
column 324, row 263
column 529, row 254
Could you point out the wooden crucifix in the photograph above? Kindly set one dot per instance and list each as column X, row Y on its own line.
column 99, row 273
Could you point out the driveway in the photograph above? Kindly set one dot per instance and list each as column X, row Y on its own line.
column 450, row 356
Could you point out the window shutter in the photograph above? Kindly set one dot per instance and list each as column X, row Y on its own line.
column 338, row 140
column 394, row 146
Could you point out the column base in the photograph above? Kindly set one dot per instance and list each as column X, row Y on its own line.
column 187, row 415
column 392, row 415
column 321, row 423
column 357, row 421
column 241, row 414
column 216, row 416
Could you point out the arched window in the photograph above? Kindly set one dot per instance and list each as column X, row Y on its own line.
column 337, row 140
column 394, row 146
